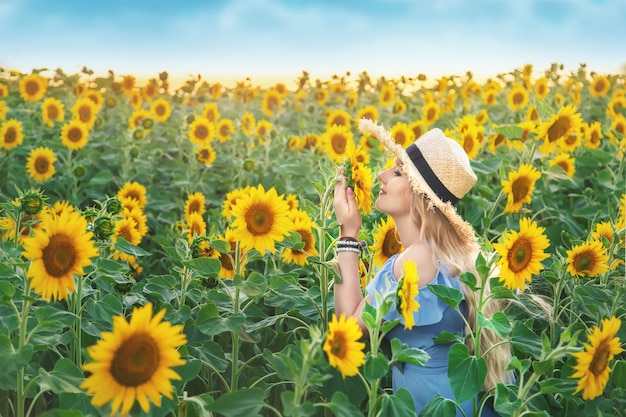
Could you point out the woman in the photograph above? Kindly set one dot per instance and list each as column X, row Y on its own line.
column 419, row 192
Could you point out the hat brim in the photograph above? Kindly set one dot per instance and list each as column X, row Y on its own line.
column 463, row 229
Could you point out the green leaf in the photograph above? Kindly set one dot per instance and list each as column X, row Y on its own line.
column 246, row 402
column 216, row 325
column 368, row 315
column 52, row 317
column 401, row 352
column 440, row 407
column 254, row 285
column 341, row 406
column 286, row 367
column 466, row 373
column 207, row 267
column 399, row 404
column 526, row 340
column 128, row 248
column 376, row 366
column 498, row 323
column 557, row 385
column 445, row 337
column 506, row 400
column 512, row 132
column 64, row 378
column 450, row 296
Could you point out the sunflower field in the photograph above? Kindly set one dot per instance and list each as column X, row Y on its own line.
column 171, row 251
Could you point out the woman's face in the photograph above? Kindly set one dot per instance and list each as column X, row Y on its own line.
column 394, row 198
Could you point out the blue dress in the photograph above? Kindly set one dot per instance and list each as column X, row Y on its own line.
column 432, row 317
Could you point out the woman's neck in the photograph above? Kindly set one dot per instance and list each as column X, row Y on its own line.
column 408, row 231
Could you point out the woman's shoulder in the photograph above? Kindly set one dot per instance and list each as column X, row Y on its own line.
column 421, row 254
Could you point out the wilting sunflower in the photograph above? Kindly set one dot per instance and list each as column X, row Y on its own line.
column 566, row 162
column 304, row 227
column 386, row 242
column 201, row 131
column 599, row 86
column 342, row 346
column 592, row 365
column 196, row 226
column 260, row 219
column 11, row 134
column 33, row 87
column 518, row 97
column 52, row 111
column 521, row 254
column 589, row 259
column 408, row 288
column 519, row 187
column 135, row 191
column 160, row 109
column 387, row 95
column 338, row 142
column 211, row 112
column 85, row 111
column 40, row 164
column 206, row 154
column 59, row 249
column 248, row 123
column 134, row 361
column 195, row 203
column 74, row 135
column 225, row 129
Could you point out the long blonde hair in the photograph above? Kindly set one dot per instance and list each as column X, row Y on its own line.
column 446, row 247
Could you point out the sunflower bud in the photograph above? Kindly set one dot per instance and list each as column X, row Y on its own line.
column 110, row 102
column 99, row 121
column 32, row 202
column 123, row 288
column 90, row 213
column 133, row 152
column 80, row 171
column 113, row 205
column 147, row 123
column 248, row 164
column 209, row 282
column 138, row 133
column 103, row 227
column 191, row 118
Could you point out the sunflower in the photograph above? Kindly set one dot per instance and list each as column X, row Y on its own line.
column 196, row 226
column 226, row 259
column 11, row 134
column 387, row 95
column 140, row 218
column 338, row 142
column 352, row 99
column 593, row 135
column 160, row 109
column 150, row 89
column 136, row 118
column 589, row 259
column 399, row 107
column 617, row 130
column 303, row 225
column 96, row 97
column 59, row 249
column 521, row 254
column 263, row 128
column 248, row 123
column 363, row 181
column 211, row 112
column 599, row 86
column 128, row 84
column 430, row 113
column 321, row 96
column 4, row 109
column 136, row 101
column 386, row 242
column 231, row 200
column 4, row 90
column 367, row 112
column 603, row 230
column 135, row 191
column 561, row 125
column 470, row 141
column 260, row 219
column 33, row 87
column 616, row 106
column 134, row 361
column 518, row 97
column 40, row 164
column 408, row 288
column 85, row 111
column 592, row 364
column 195, row 203
column 338, row 117
column 201, row 131
column 541, row 88
column 206, row 154
column 74, row 135
column 126, row 228
column 225, row 129
column 51, row 111
column 342, row 345
column 566, row 162
column 402, row 134
column 271, row 102
column 490, row 96
column 519, row 187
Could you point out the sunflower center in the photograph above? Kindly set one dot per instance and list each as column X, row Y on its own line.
column 339, row 144
column 558, row 129
column 59, row 256
column 205, row 154
column 390, row 246
column 41, row 165
column 338, row 347
column 600, row 359
column 53, row 112
column 10, row 136
column 259, row 220
column 519, row 255
column 520, row 188
column 584, row 262
column 160, row 110
column 32, row 87
column 194, row 207
column 85, row 114
column 75, row 134
column 135, row 361
column 518, row 98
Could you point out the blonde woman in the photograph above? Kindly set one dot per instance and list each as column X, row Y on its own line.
column 419, row 192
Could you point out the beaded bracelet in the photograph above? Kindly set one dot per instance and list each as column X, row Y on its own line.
column 348, row 249
column 350, row 242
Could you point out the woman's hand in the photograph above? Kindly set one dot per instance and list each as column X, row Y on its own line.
column 346, row 211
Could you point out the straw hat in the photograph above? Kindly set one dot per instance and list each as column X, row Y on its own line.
column 436, row 166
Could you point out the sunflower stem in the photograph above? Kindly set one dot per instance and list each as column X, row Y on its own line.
column 21, row 392
column 235, row 334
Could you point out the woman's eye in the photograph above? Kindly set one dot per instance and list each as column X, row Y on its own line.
column 397, row 172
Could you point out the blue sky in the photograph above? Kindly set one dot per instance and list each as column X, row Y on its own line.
column 235, row 39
